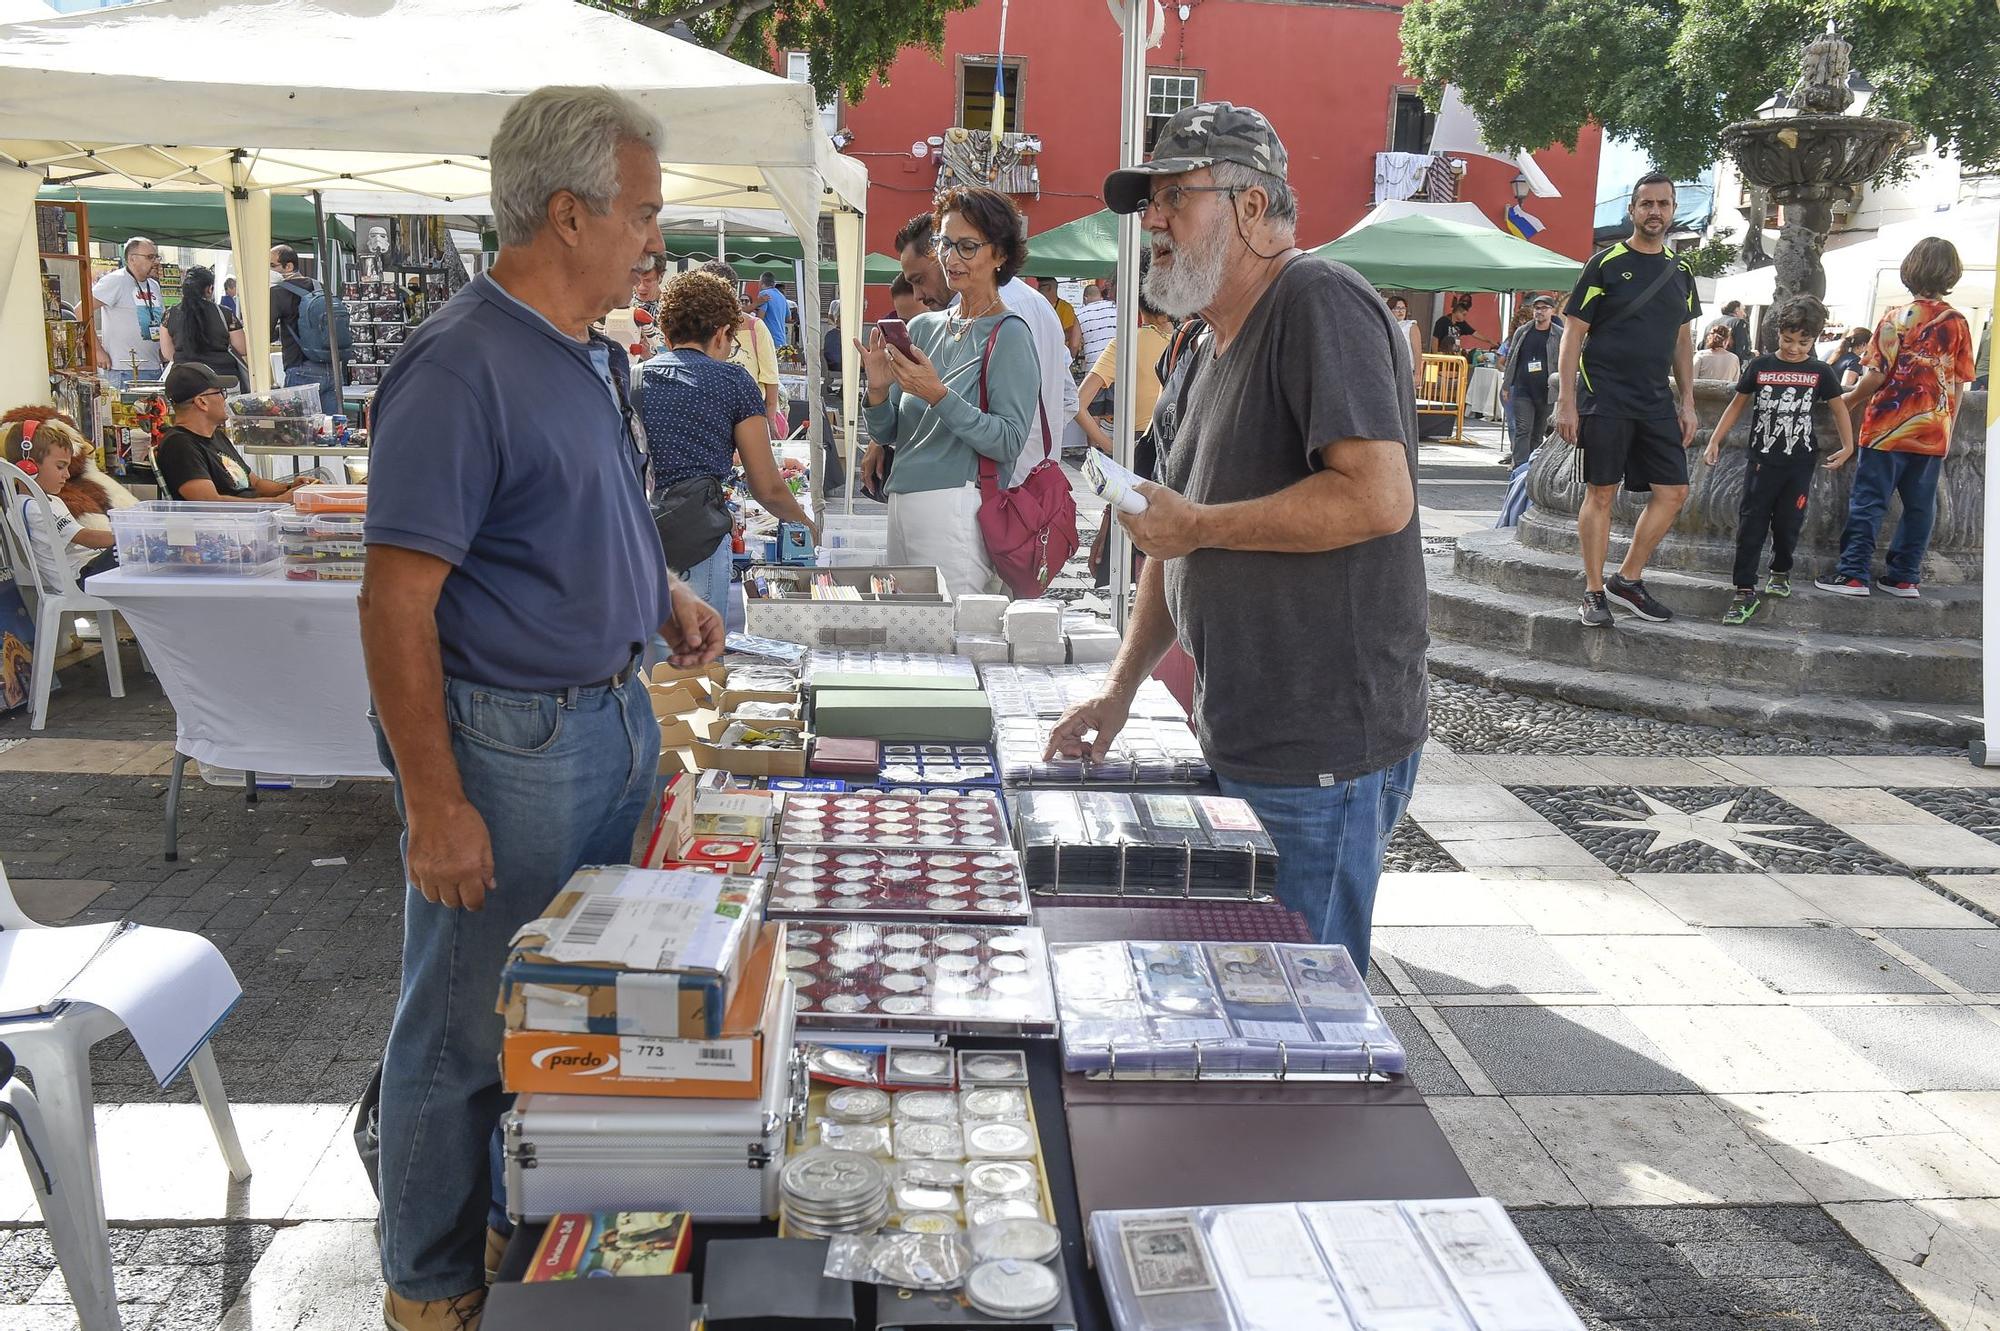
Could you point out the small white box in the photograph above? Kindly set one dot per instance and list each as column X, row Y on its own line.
column 1040, row 653
column 1092, row 648
column 987, row 649
column 981, row 613
column 1035, row 622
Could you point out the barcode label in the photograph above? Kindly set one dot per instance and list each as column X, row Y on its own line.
column 686, row 1060
column 587, row 926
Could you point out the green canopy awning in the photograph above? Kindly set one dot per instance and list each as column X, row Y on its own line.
column 1434, row 254
column 1086, row 248
column 194, row 218
column 755, row 258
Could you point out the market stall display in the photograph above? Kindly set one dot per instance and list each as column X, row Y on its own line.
column 1163, row 845
column 953, row 977
column 893, row 884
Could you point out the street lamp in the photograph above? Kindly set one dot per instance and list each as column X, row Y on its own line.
column 1521, row 188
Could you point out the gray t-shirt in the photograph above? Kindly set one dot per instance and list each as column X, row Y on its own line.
column 1309, row 669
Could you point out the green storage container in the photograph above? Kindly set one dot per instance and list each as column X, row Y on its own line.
column 904, row 716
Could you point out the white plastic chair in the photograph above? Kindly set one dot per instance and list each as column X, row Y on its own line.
column 56, row 1048
column 57, row 595
column 21, row 1116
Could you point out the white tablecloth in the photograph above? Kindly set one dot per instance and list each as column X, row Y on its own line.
column 1482, row 393
column 265, row 674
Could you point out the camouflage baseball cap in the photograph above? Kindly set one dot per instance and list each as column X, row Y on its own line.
column 1200, row 136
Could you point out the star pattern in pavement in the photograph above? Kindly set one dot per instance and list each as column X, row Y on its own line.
column 1673, row 827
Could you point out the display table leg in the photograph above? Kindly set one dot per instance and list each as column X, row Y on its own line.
column 174, row 806
column 249, row 787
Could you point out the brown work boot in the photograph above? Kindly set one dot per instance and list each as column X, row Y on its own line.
column 496, row 1250
column 460, row 1312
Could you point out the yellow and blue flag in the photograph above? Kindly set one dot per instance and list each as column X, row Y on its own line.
column 999, row 101
column 1523, row 223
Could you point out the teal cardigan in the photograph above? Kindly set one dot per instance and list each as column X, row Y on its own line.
column 939, row 447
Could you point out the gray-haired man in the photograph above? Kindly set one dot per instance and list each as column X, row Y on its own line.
column 1284, row 544
column 514, row 577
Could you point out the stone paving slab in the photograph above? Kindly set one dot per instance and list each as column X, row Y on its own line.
column 180, row 1279
column 1968, row 958
column 1922, row 1048
column 1556, row 1051
column 1678, row 829
column 1822, row 961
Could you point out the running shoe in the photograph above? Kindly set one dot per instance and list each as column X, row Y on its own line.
column 1594, row 611
column 1780, row 585
column 1632, row 594
column 1741, row 608
column 1907, row 590
column 1842, row 586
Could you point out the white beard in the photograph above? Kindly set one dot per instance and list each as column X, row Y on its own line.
column 1194, row 281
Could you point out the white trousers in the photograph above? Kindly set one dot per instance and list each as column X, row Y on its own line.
column 940, row 529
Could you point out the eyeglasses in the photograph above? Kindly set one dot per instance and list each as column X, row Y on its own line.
column 1170, row 199
column 967, row 247
column 206, row 392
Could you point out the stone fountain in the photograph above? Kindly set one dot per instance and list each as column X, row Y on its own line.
column 1810, row 160
column 1503, row 604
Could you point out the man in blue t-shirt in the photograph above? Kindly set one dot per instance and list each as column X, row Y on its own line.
column 774, row 310
column 514, row 577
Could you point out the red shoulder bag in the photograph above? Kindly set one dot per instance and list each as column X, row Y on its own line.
column 1029, row 530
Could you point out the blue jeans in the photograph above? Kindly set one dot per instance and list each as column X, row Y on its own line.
column 1330, row 842
column 1527, row 423
column 561, row 782
column 311, row 372
column 710, row 581
column 1877, row 475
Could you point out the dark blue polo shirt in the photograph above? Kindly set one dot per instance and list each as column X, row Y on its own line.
column 501, row 447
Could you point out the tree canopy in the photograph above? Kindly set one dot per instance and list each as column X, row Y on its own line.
column 1670, row 74
column 850, row 43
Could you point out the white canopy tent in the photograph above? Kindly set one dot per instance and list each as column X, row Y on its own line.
column 1862, row 280
column 365, row 98
column 1389, row 210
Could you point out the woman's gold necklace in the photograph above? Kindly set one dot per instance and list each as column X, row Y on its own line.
column 959, row 328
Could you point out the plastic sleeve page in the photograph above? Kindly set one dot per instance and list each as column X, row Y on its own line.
column 1387, row 1279
column 1274, row 1276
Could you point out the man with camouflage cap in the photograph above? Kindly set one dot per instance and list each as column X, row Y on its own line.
column 1283, row 541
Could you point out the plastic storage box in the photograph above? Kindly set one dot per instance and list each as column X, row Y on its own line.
column 322, row 547
column 281, row 418
column 172, row 536
column 331, row 499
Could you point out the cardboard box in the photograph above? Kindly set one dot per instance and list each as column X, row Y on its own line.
column 729, row 700
column 712, row 755
column 691, row 809
column 630, row 951
column 729, row 1066
column 905, row 716
column 919, row 618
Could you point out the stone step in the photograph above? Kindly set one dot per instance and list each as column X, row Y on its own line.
column 1496, row 559
column 1766, row 655
column 1820, row 715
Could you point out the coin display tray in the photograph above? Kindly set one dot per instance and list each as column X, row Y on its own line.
column 1148, row 751
column 977, row 978
column 1049, row 691
column 830, row 662
column 876, row 818
column 888, row 883
column 938, row 765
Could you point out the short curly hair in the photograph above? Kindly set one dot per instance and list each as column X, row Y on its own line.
column 694, row 307
column 996, row 219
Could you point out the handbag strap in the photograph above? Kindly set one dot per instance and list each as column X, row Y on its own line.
column 1652, row 289
column 989, row 471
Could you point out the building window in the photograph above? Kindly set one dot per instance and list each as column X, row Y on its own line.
column 1167, row 94
column 975, row 95
column 1410, row 125
column 798, row 68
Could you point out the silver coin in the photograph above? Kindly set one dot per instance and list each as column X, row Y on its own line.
column 1000, row 906
column 995, row 1102
column 842, row 1063
column 1008, row 964
column 957, row 963
column 903, row 942
column 939, row 875
column 969, row 840
column 996, row 875
column 929, row 1222
column 934, row 1173
column 921, row 1261
column 806, row 936
column 951, row 889
column 987, row 1210
column 1012, row 984
column 932, row 1139
column 1001, row 1178
column 902, row 859
column 800, row 872
column 919, row 1063
column 903, row 984
column 993, row 1067
column 945, row 905
column 851, row 889
column 799, row 958
column 851, row 802
column 826, row 1176
column 857, row 935
column 857, row 1104
column 993, row 862
column 849, row 961
column 898, row 875
column 896, row 840
column 853, row 875
column 800, row 979
column 913, row 1196
column 796, row 903
column 957, row 942
column 903, row 961
column 904, row 1005
column 1011, row 1288
column 1001, row 889
column 854, row 859
column 1000, row 1137
column 1021, row 1239
column 947, row 983
column 1007, row 943
column 851, row 832
column 802, row 802
column 947, row 861
column 926, row 1106
column 844, row 1003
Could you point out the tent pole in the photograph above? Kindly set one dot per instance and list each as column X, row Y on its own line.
column 1135, row 19
column 329, row 277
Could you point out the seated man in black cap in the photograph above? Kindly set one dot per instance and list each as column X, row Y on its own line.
column 194, row 458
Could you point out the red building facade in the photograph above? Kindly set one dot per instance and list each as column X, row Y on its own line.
column 1327, row 72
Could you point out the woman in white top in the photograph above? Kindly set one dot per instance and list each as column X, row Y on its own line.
column 1715, row 360
column 1399, row 309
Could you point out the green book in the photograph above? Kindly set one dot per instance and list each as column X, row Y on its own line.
column 904, row 716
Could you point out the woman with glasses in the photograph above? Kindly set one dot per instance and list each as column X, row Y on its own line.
column 702, row 413
column 967, row 393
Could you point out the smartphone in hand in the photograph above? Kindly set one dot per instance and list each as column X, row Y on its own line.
column 897, row 334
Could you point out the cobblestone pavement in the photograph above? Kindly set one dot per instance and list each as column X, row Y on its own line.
column 1721, row 1083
